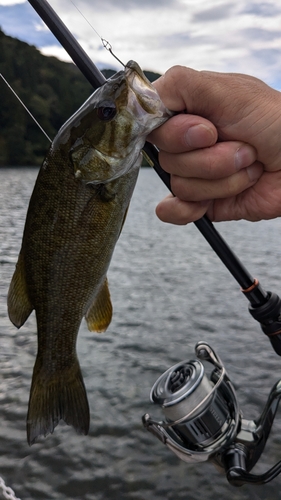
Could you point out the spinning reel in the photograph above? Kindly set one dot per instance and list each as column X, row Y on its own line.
column 203, row 420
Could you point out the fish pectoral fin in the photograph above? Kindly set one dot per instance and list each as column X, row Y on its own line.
column 124, row 219
column 19, row 305
column 99, row 314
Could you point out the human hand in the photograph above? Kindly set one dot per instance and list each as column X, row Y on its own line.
column 224, row 156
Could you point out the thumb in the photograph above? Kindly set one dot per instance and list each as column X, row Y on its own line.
column 209, row 94
column 241, row 107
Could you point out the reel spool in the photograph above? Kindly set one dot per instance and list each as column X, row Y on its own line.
column 192, row 405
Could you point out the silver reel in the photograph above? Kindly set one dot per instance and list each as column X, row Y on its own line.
column 203, row 421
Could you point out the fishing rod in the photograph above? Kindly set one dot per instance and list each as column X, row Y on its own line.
column 203, row 419
column 265, row 307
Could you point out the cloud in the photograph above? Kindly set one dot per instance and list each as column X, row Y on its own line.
column 263, row 9
column 21, row 21
column 11, row 2
column 267, row 56
column 260, row 34
column 97, row 5
column 222, row 35
column 214, row 13
column 56, row 51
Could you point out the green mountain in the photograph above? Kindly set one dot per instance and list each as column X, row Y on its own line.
column 51, row 89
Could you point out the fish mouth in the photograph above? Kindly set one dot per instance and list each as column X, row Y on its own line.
column 144, row 97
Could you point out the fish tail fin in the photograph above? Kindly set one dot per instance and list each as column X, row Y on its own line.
column 61, row 397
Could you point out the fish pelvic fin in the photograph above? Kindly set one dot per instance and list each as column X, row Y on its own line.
column 99, row 314
column 60, row 397
column 19, row 305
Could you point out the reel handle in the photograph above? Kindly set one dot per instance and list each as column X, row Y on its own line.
column 237, row 474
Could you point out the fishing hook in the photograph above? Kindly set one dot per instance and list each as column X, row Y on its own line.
column 107, row 45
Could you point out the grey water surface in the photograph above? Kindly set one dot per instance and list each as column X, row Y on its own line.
column 169, row 290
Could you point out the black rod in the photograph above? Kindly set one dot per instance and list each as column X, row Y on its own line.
column 96, row 78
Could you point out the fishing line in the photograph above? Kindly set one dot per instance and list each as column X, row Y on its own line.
column 26, row 109
column 107, row 45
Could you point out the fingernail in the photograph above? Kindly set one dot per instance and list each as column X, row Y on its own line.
column 254, row 172
column 244, row 157
column 200, row 136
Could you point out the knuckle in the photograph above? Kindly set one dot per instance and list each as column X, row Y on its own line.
column 210, row 165
column 175, row 72
column 236, row 183
column 213, row 162
column 180, row 187
column 165, row 160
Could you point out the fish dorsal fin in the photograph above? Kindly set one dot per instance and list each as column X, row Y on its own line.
column 99, row 314
column 19, row 305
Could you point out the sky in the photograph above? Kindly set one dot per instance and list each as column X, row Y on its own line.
column 219, row 35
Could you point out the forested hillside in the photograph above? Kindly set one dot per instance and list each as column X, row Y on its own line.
column 51, row 89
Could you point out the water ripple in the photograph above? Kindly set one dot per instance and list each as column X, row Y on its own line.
column 169, row 290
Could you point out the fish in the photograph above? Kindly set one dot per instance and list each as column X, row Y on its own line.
column 75, row 216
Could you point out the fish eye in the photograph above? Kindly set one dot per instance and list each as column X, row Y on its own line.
column 106, row 112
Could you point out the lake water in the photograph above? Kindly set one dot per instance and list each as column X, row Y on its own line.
column 169, row 290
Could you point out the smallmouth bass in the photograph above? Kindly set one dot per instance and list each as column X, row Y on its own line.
column 75, row 216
